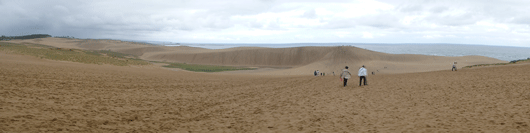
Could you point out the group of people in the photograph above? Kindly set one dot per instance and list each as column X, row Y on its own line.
column 345, row 75
column 319, row 73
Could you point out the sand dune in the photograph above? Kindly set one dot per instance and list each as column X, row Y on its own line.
column 39, row 95
column 304, row 60
column 300, row 60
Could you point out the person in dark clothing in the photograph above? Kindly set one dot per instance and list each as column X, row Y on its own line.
column 454, row 66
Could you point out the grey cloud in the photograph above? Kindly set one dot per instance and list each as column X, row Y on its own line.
column 107, row 16
column 217, row 22
column 455, row 20
column 273, row 25
column 79, row 19
column 137, row 18
column 254, row 24
column 311, row 14
column 233, row 8
column 379, row 21
column 502, row 11
column 438, row 9
column 410, row 8
column 522, row 20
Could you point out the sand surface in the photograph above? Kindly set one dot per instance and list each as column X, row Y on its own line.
column 299, row 60
column 39, row 95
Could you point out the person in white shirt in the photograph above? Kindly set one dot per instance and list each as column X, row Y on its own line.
column 362, row 75
column 345, row 75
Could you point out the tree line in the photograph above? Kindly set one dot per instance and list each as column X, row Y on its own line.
column 32, row 36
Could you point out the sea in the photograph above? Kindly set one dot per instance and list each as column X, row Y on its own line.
column 506, row 53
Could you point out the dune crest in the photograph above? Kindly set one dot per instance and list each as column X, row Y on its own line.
column 299, row 60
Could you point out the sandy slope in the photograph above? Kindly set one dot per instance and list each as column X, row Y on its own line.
column 301, row 60
column 39, row 95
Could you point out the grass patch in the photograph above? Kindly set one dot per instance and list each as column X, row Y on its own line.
column 497, row 64
column 204, row 68
column 73, row 55
column 116, row 54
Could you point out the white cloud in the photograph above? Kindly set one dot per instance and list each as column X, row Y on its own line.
column 501, row 22
column 367, row 35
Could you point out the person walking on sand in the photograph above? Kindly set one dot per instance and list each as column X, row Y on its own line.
column 315, row 73
column 454, row 66
column 362, row 75
column 345, row 75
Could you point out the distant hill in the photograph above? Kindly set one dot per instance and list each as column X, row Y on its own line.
column 281, row 61
column 32, row 36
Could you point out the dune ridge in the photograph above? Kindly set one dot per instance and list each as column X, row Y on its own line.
column 299, row 60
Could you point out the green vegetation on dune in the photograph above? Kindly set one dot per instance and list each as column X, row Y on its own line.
column 204, row 68
column 74, row 55
column 116, row 54
column 101, row 57
column 33, row 36
column 496, row 64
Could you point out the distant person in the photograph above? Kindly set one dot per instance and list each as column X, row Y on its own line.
column 345, row 75
column 454, row 66
column 318, row 72
column 333, row 73
column 315, row 73
column 362, row 75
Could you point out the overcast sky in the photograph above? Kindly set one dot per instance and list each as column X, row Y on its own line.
column 489, row 22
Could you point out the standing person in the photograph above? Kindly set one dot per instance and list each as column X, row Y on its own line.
column 454, row 66
column 345, row 75
column 318, row 72
column 362, row 75
column 315, row 73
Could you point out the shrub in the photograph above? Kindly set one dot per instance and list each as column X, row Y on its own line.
column 205, row 68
